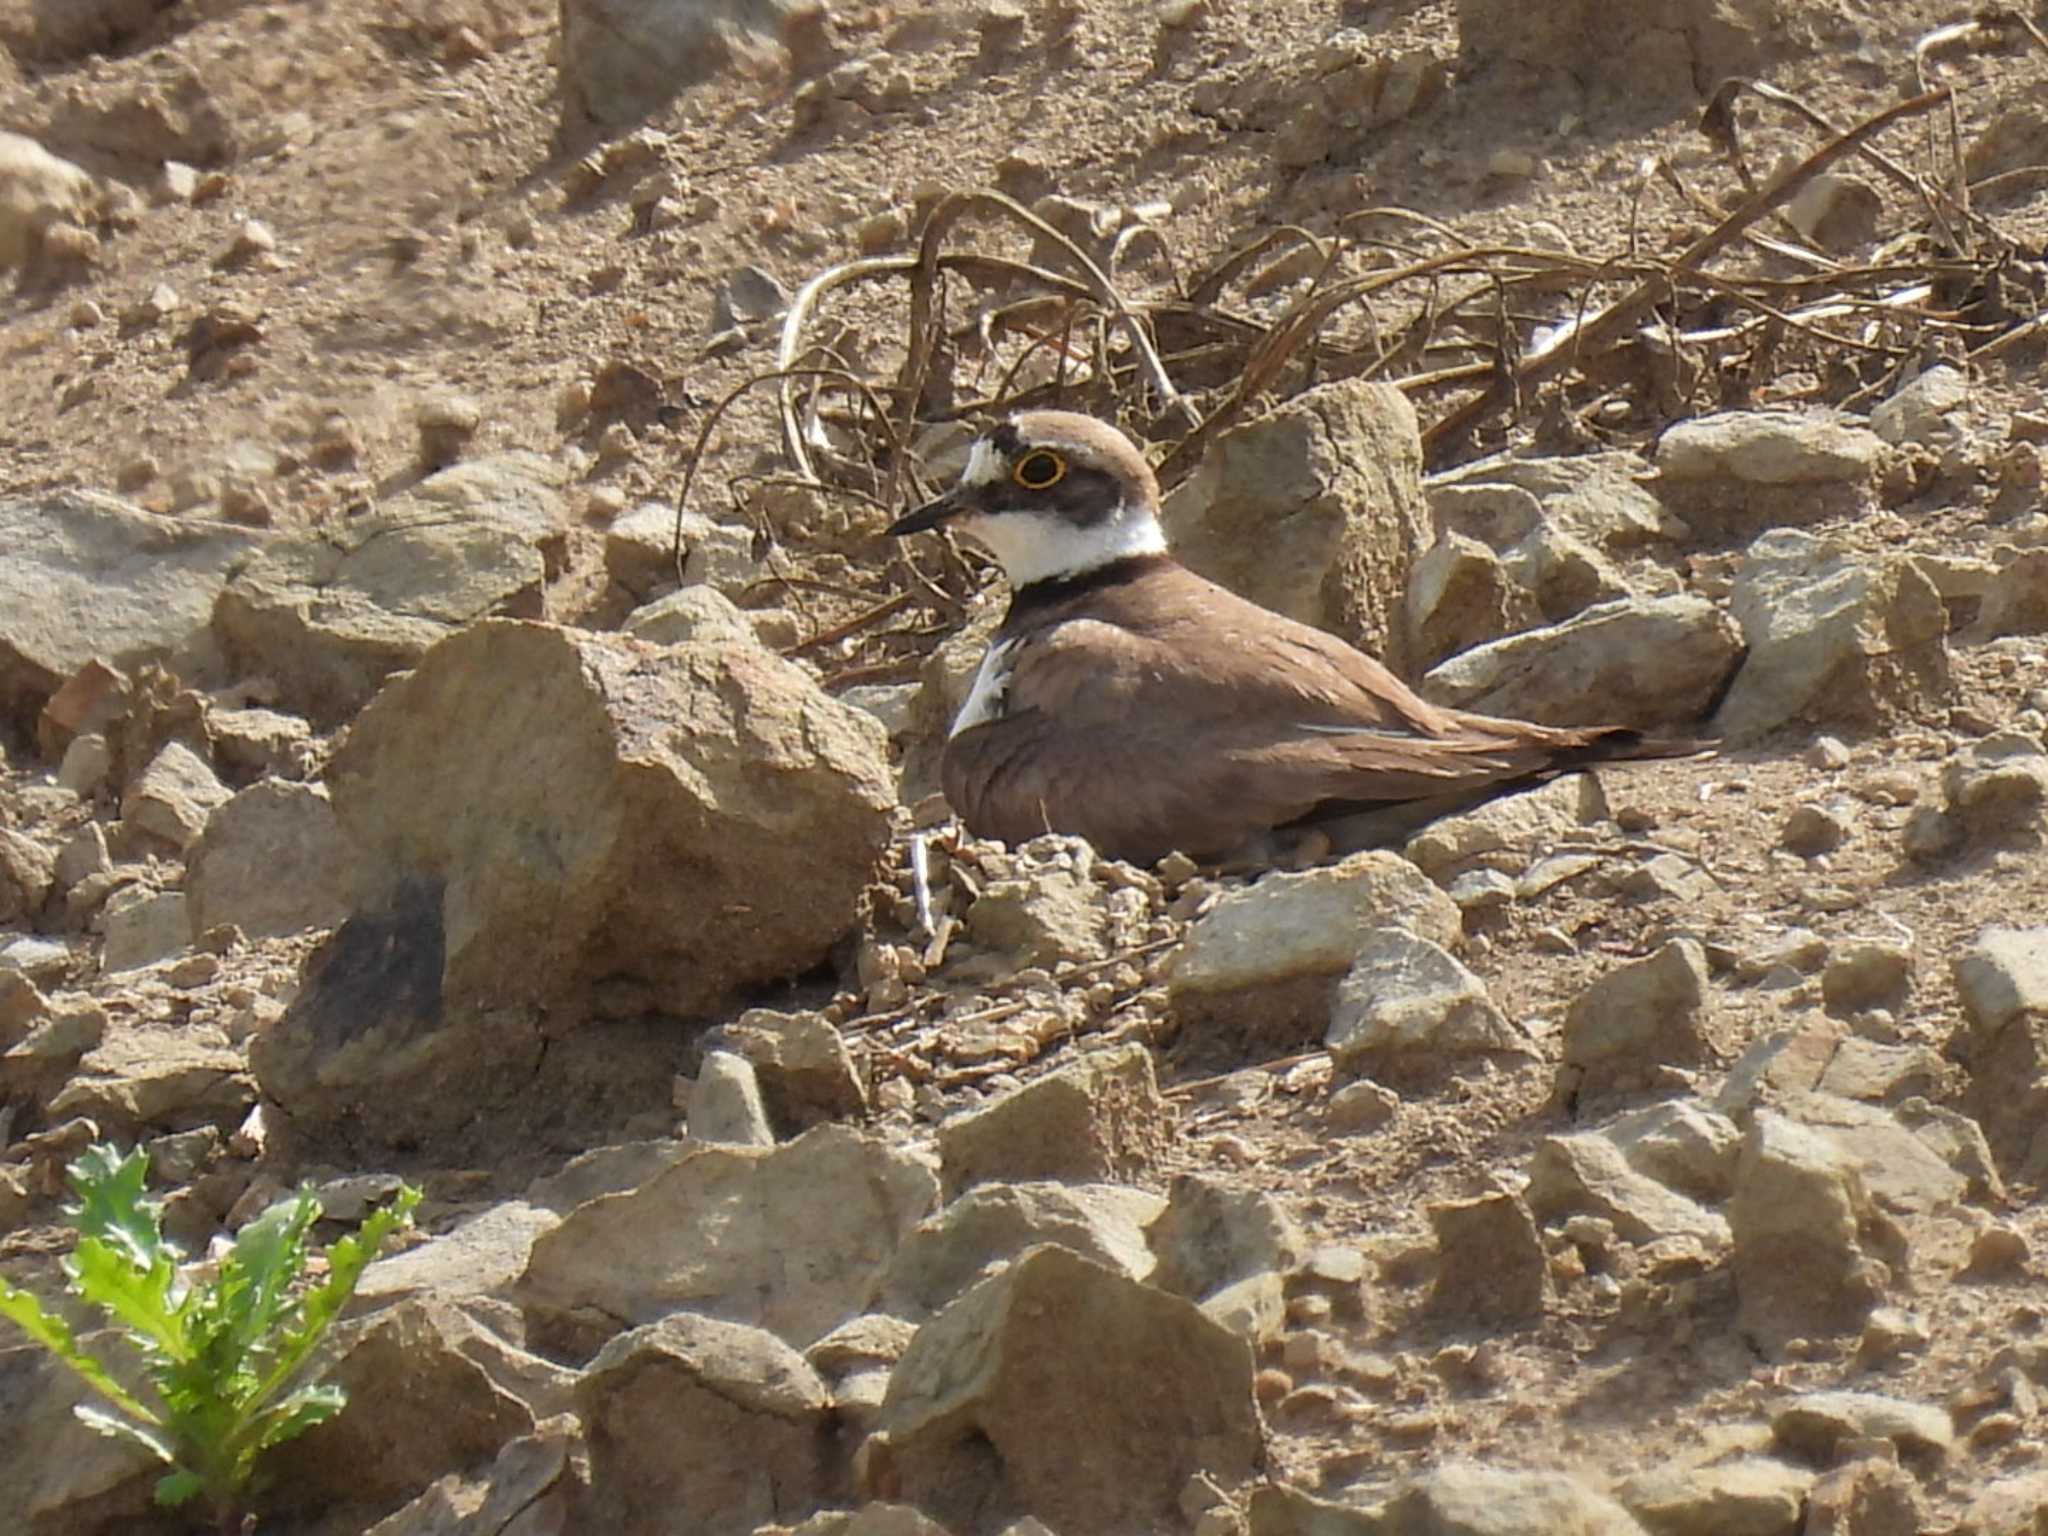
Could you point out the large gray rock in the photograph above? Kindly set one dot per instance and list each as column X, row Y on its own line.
column 1506, row 833
column 565, row 826
column 271, row 861
column 1459, row 596
column 1099, row 1118
column 40, row 191
column 1748, row 1496
column 418, row 1406
column 1407, row 1012
column 1799, row 1216
column 622, row 59
column 2003, row 982
column 328, row 619
column 1636, row 661
column 702, row 1425
column 1586, row 1172
column 1599, row 498
column 992, row 1223
column 1835, row 636
column 1463, row 1499
column 1636, row 1020
column 640, row 555
column 1314, row 510
column 713, row 1232
column 57, row 1478
column 90, row 576
column 1064, row 1390
column 1265, row 957
column 1651, row 56
column 1769, row 448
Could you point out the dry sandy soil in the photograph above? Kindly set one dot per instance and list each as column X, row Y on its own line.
column 433, row 234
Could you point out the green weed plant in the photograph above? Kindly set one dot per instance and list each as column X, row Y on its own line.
column 230, row 1357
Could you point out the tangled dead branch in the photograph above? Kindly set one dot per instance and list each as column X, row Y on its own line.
column 1474, row 333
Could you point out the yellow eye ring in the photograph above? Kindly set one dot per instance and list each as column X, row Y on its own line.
column 1039, row 470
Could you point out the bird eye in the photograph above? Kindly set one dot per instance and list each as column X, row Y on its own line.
column 1039, row 470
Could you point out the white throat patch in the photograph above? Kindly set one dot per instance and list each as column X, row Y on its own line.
column 1030, row 547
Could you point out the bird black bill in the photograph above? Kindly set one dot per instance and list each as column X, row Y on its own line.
column 924, row 519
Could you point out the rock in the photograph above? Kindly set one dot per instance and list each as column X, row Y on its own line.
column 1870, row 973
column 725, row 1103
column 481, row 1257
column 1274, row 1509
column 2015, row 598
column 92, row 577
column 1314, row 510
column 1046, row 913
column 708, row 1425
column 608, row 1170
column 992, row 1223
column 1598, row 498
column 1998, row 788
column 54, row 1478
column 1215, row 1233
column 2003, row 982
column 1836, row 212
column 1656, row 54
column 640, row 555
column 1812, row 830
column 1923, row 411
column 175, row 795
column 1682, row 1144
column 1265, row 958
column 1768, row 448
column 1516, row 825
column 2007, row 1506
column 27, row 871
column 1585, row 1172
column 1749, row 1496
column 1407, row 1012
column 252, row 743
column 328, row 619
column 805, row 1071
column 1870, row 1497
column 621, row 60
column 157, row 1080
column 690, row 613
column 1636, row 661
column 633, row 831
column 232, row 873
column 1636, row 1020
column 532, row 1489
column 1472, row 1500
column 1101, row 1118
column 1798, row 1216
column 38, row 193
column 1490, row 1262
column 417, row 1407
column 1834, row 635
column 1460, row 595
column 143, row 927
column 710, row 1232
column 1813, row 1424
column 445, row 424
column 1063, row 1388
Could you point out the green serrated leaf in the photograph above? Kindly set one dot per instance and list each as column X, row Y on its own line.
column 139, row 1297
column 178, row 1487
column 296, row 1414
column 49, row 1330
column 115, row 1427
column 111, row 1205
column 346, row 1260
column 269, row 1254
